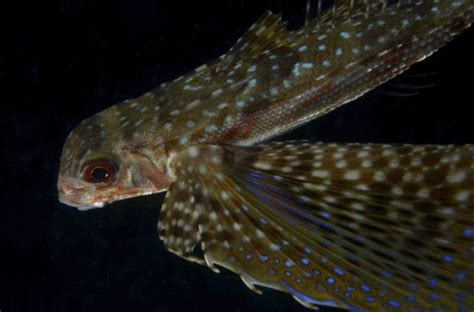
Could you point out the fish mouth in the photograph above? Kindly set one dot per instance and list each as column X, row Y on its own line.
column 77, row 204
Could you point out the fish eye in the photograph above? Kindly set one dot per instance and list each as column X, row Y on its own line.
column 100, row 171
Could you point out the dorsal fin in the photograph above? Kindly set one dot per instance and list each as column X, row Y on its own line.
column 268, row 33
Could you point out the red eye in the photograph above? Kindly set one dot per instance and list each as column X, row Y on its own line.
column 102, row 171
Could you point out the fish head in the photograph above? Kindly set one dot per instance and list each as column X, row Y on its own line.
column 103, row 162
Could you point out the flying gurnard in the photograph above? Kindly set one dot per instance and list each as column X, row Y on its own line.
column 359, row 226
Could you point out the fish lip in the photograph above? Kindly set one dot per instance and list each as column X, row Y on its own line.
column 80, row 206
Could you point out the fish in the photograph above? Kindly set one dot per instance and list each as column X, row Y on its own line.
column 363, row 227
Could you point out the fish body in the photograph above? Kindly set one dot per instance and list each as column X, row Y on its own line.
column 330, row 224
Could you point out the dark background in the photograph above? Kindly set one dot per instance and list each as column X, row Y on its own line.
column 62, row 61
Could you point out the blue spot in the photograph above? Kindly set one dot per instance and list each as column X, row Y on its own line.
column 395, row 303
column 325, row 215
column 434, row 297
column 387, row 274
column 448, row 259
column 350, row 289
column 305, row 261
column 433, row 282
column 412, row 286
column 411, row 299
column 326, row 244
column 369, row 299
column 308, row 250
column 347, row 294
column 366, row 288
column 298, row 280
column 469, row 232
column 264, row 258
column 309, row 299
column 288, row 264
column 339, row 271
column 461, row 276
column 287, row 273
column 317, row 272
column 330, row 280
column 336, row 290
column 460, row 297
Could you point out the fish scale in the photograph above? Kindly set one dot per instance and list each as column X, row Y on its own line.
column 365, row 227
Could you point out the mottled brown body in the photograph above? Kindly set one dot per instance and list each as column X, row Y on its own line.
column 365, row 227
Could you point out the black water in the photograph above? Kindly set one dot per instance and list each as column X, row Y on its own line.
column 65, row 60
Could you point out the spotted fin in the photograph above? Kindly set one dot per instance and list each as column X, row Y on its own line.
column 268, row 33
column 365, row 227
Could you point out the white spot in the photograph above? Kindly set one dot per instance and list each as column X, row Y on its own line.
column 263, row 165
column 183, row 140
column 240, row 103
column 193, row 151
column 341, row 164
column 224, row 195
column 296, row 69
column 307, row 65
column 237, row 226
column 326, row 63
column 357, row 206
column 252, row 69
column 462, row 196
column 202, row 169
column 260, row 30
column 423, row 193
column 274, row 247
column 320, row 173
column 211, row 128
column 352, row 175
column 252, row 82
column 217, row 92
column 345, row 35
column 379, row 176
column 190, row 124
column 322, row 47
column 275, row 67
column 338, row 51
column 213, row 216
column 303, row 48
column 397, row 190
column 193, row 104
column 456, row 177
column 222, row 105
column 259, row 233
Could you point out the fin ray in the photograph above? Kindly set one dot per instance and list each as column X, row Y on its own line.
column 357, row 226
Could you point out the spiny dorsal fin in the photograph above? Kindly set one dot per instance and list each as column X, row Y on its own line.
column 268, row 33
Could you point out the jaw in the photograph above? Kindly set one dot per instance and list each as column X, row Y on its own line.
column 83, row 201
